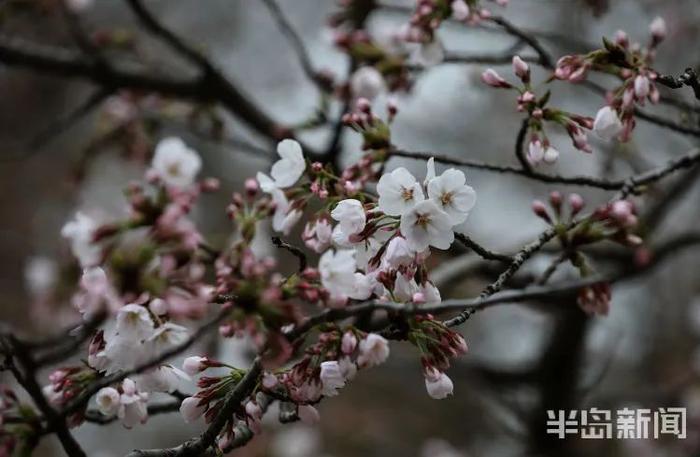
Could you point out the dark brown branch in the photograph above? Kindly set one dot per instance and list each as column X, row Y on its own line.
column 295, row 251
column 521, row 257
column 210, row 87
column 480, row 250
column 544, row 57
column 26, row 377
column 629, row 184
column 520, row 147
column 688, row 78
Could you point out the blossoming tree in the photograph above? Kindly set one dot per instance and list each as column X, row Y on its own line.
column 151, row 285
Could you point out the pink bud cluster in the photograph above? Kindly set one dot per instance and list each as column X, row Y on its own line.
column 558, row 213
column 66, row 384
column 539, row 149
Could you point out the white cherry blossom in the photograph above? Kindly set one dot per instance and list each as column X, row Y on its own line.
column 451, row 193
column 133, row 404
column 427, row 225
column 191, row 410
column 165, row 378
column 286, row 171
column 176, row 164
column 607, row 124
column 80, row 232
column 398, row 192
column 350, row 215
column 133, row 321
column 337, row 270
column 374, row 350
column 438, row 385
column 317, row 235
column 285, row 217
column 397, row 254
column 107, row 401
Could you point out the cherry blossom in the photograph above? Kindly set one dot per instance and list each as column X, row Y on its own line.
column 80, row 232
column 132, row 405
column 350, row 215
column 451, row 194
column 438, row 384
column 374, row 350
column 425, row 224
column 193, row 365
column 607, row 123
column 337, row 270
column 176, row 164
column 398, row 192
column 108, row 401
column 191, row 409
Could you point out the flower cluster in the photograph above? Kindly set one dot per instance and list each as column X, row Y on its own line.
column 429, row 14
column 65, row 385
column 437, row 345
column 632, row 64
column 615, row 221
column 539, row 148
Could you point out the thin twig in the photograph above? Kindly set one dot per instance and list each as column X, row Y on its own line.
column 295, row 251
column 480, row 250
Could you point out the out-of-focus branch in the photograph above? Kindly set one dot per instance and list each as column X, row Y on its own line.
column 210, row 87
column 25, row 374
column 544, row 57
column 297, row 44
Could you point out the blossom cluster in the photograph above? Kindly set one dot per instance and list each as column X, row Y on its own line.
column 615, row 221
column 631, row 63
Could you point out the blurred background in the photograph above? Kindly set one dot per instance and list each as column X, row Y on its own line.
column 523, row 359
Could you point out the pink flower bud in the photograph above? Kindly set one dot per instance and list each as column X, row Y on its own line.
column 418, row 298
column 658, row 30
column 363, row 105
column 540, row 209
column 158, row 307
column 521, row 69
column 210, row 185
column 621, row 38
column 251, row 186
column 460, row 10
column 493, row 79
column 190, row 409
column 253, row 410
column 576, row 202
column 348, row 343
column 641, row 87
